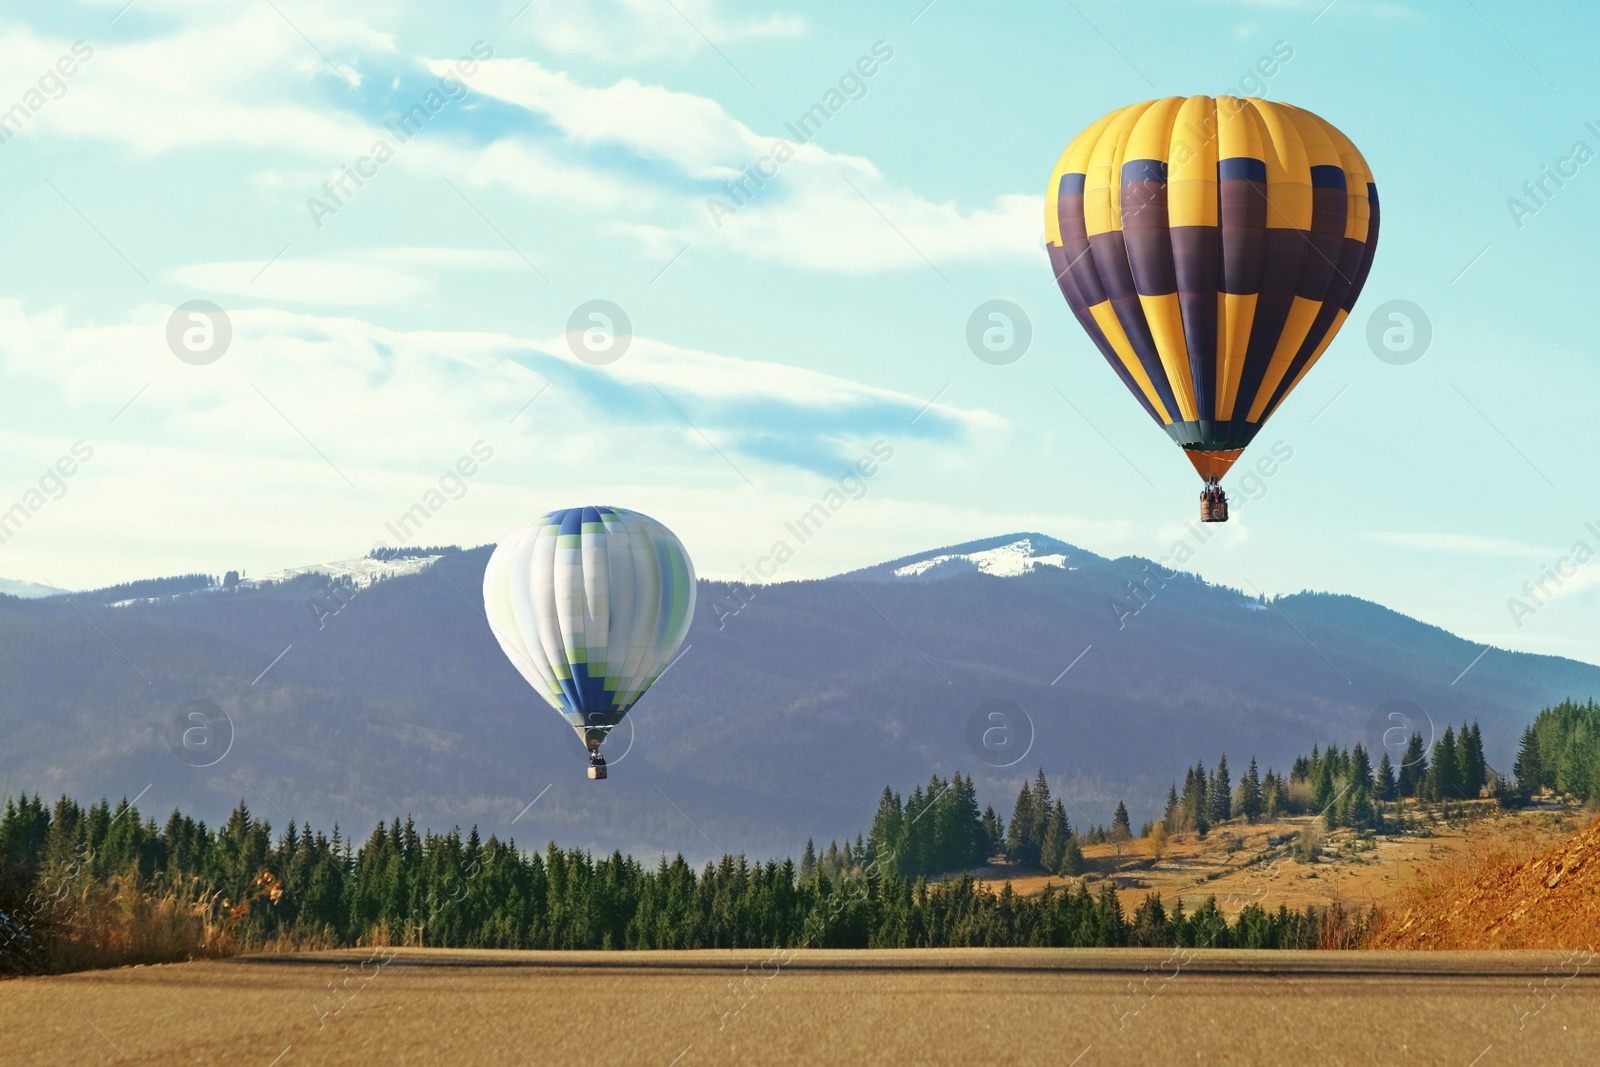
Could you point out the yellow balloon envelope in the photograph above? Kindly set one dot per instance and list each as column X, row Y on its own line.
column 1211, row 248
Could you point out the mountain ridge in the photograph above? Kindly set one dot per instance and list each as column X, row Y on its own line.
column 791, row 707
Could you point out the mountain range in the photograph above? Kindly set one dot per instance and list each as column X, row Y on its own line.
column 366, row 689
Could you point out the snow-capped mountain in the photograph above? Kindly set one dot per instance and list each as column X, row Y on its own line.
column 1007, row 561
column 1009, row 556
column 28, row 590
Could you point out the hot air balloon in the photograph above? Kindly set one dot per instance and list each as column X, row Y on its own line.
column 1211, row 248
column 590, row 605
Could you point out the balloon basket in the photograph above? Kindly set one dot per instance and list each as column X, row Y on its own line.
column 1213, row 504
column 597, row 767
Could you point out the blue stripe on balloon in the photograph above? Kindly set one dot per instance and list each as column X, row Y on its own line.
column 1144, row 170
column 1241, row 168
column 1327, row 177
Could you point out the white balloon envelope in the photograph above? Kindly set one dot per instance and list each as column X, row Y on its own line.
column 590, row 605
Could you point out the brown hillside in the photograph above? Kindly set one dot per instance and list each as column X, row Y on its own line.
column 1499, row 900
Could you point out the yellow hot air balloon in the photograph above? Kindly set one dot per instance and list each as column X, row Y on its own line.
column 1211, row 248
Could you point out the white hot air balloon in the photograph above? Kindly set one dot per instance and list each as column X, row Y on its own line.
column 590, row 604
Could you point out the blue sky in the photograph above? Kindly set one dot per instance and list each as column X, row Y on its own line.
column 374, row 344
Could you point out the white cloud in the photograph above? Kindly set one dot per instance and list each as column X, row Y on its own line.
column 460, row 258
column 248, row 78
column 822, row 210
column 244, row 462
column 1584, row 579
column 330, row 283
column 376, row 398
column 367, row 277
column 619, row 30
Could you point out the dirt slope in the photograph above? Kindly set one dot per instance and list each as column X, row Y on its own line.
column 1550, row 901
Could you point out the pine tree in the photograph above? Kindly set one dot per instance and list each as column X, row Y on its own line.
column 1196, row 810
column 1054, row 845
column 1220, row 793
column 1474, row 768
column 1071, row 857
column 1274, row 794
column 1444, row 777
column 1022, row 817
column 887, row 824
column 1361, row 813
column 808, row 862
column 914, row 844
column 1528, row 769
column 1041, row 792
column 1413, row 767
column 1121, row 828
column 1171, row 813
column 1361, row 770
column 994, row 834
column 1385, row 789
column 1250, row 801
column 1040, row 812
column 1323, row 792
column 970, row 833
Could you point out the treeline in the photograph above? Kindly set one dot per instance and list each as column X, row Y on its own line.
column 938, row 829
column 402, row 887
column 1340, row 784
column 1561, row 751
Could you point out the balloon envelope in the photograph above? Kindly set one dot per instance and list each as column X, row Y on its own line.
column 590, row 604
column 1211, row 248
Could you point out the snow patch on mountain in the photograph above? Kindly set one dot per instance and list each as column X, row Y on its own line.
column 1006, row 561
column 360, row 573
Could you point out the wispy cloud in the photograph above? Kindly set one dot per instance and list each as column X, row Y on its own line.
column 634, row 157
column 300, row 282
column 639, row 29
column 431, row 389
column 1459, row 544
column 362, row 278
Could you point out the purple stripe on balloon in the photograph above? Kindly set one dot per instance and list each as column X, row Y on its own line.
column 1367, row 252
column 1283, row 256
column 1242, row 211
column 1148, row 238
column 1196, row 256
column 1075, row 243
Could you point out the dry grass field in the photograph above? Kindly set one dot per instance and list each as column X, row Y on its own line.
column 1021, row 1006
column 936, row 1007
column 1268, row 863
